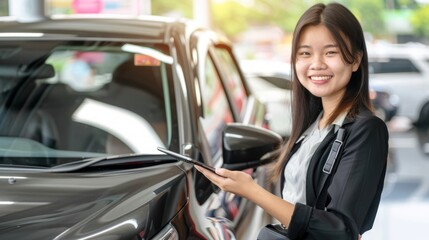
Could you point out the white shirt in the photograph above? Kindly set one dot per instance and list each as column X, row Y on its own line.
column 295, row 174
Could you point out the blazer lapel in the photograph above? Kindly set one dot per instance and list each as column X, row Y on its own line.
column 314, row 168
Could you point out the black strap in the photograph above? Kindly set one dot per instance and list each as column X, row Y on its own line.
column 328, row 167
column 336, row 147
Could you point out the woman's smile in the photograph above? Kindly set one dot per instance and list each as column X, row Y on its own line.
column 320, row 79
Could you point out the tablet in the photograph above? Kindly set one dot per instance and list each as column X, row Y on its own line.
column 184, row 158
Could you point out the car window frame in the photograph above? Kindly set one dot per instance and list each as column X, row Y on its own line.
column 201, row 47
column 231, row 95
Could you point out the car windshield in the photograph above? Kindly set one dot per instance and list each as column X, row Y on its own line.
column 63, row 101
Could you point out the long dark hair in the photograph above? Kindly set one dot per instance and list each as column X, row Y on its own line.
column 348, row 34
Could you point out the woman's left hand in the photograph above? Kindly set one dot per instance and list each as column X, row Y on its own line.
column 236, row 182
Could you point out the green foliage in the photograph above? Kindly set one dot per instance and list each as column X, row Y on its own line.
column 420, row 21
column 182, row 8
column 283, row 13
column 4, row 11
column 405, row 4
column 230, row 17
column 369, row 13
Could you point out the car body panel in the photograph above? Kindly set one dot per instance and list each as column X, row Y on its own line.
column 78, row 205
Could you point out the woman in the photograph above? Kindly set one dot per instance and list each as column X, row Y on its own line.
column 330, row 90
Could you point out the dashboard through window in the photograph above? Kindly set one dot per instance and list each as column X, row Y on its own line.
column 78, row 99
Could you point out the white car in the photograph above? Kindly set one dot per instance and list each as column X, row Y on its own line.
column 403, row 70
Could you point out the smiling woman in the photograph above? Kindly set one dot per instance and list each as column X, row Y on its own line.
column 338, row 147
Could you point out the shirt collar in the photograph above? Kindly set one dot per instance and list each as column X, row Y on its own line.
column 337, row 123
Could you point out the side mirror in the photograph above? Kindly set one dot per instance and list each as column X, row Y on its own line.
column 246, row 146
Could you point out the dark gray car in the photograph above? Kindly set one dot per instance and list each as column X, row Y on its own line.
column 84, row 105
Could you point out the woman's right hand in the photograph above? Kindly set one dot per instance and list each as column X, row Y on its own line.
column 242, row 184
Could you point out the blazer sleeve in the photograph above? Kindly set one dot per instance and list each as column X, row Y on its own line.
column 355, row 189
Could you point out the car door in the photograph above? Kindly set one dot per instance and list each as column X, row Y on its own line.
column 249, row 110
column 224, row 98
column 216, row 111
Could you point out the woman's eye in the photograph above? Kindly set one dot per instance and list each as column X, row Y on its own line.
column 330, row 53
column 304, row 53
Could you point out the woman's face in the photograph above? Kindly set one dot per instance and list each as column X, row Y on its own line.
column 319, row 65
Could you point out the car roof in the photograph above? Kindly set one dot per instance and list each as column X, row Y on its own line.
column 141, row 28
column 409, row 50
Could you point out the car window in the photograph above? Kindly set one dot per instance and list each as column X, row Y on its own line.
column 216, row 110
column 234, row 82
column 392, row 65
column 73, row 101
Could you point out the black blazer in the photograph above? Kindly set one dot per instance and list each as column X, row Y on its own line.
column 356, row 186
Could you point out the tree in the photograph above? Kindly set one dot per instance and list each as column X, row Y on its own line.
column 182, row 8
column 420, row 21
column 232, row 17
column 283, row 13
column 4, row 7
column 370, row 14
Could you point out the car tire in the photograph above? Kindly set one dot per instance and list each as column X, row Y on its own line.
column 424, row 116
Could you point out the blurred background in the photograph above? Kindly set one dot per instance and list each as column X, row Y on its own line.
column 261, row 28
column 397, row 34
